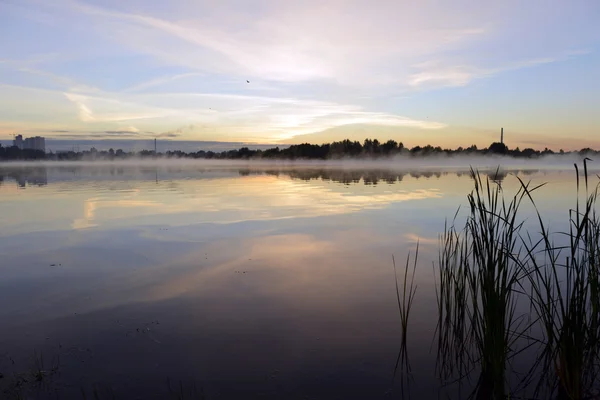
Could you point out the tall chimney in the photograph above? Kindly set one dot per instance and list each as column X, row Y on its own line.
column 502, row 135
column 154, row 146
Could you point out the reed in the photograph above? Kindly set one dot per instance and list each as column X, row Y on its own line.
column 480, row 275
column 565, row 295
column 405, row 298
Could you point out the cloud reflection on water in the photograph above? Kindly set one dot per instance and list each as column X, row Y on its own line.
column 247, row 270
column 194, row 198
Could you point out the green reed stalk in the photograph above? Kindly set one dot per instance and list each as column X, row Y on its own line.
column 479, row 274
column 405, row 298
column 565, row 294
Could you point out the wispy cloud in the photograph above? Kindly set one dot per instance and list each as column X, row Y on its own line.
column 432, row 74
column 66, row 82
column 168, row 135
column 110, row 134
column 28, row 66
column 278, row 118
column 284, row 43
column 113, row 110
column 85, row 114
column 177, row 132
column 441, row 76
column 161, row 81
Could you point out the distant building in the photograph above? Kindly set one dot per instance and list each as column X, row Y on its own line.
column 18, row 142
column 35, row 143
column 32, row 143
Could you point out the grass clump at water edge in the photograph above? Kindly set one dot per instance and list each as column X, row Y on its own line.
column 565, row 295
column 479, row 277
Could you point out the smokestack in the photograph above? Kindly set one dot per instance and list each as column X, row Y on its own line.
column 502, row 135
column 154, row 146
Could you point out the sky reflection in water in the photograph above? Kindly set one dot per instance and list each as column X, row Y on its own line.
column 263, row 282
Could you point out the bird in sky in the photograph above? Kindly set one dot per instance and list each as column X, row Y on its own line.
column 247, row 81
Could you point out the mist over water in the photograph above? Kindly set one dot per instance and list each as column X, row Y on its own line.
column 442, row 162
column 255, row 279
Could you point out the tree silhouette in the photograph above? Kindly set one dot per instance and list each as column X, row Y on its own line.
column 498, row 148
column 370, row 148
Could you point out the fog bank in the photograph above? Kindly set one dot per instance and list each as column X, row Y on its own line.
column 461, row 162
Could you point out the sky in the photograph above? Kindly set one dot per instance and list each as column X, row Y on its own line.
column 273, row 71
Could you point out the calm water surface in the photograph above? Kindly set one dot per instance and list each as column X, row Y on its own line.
column 237, row 282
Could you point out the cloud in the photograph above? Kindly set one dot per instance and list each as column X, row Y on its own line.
column 441, row 76
column 168, row 135
column 120, row 133
column 59, row 79
column 289, row 43
column 176, row 132
column 112, row 110
column 28, row 67
column 161, row 81
column 131, row 129
column 234, row 116
column 335, row 42
column 129, row 133
column 85, row 114
column 434, row 74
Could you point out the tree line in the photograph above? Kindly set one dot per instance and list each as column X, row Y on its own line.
column 370, row 148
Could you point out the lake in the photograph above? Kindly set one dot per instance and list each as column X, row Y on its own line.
column 216, row 281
